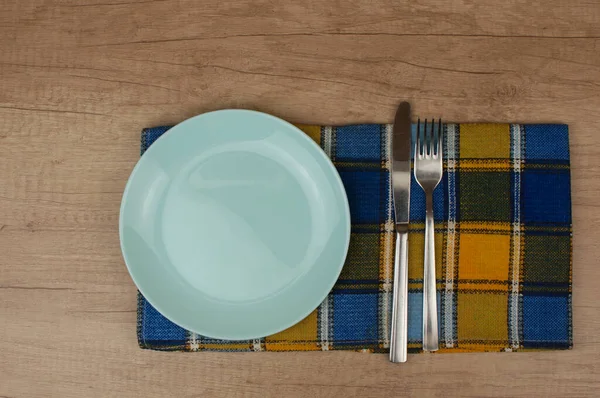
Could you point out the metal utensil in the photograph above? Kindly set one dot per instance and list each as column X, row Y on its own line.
column 401, row 146
column 428, row 173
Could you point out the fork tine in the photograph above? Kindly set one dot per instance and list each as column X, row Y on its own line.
column 432, row 141
column 439, row 138
column 418, row 151
column 425, row 139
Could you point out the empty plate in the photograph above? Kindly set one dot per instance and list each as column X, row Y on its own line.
column 234, row 225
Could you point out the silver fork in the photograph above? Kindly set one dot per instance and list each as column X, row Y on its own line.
column 428, row 173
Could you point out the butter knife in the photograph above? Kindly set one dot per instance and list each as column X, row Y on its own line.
column 401, row 146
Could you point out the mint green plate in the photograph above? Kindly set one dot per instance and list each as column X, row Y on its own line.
column 234, row 225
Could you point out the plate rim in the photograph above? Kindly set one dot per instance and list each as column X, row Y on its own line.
column 316, row 149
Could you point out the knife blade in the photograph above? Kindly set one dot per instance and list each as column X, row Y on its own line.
column 401, row 147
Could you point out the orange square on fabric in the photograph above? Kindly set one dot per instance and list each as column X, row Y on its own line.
column 482, row 318
column 485, row 141
column 225, row 346
column 312, row 131
column 416, row 257
column 300, row 337
column 484, row 257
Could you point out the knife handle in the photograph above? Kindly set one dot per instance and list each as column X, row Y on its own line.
column 399, row 336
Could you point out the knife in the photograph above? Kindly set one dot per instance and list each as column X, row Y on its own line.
column 401, row 146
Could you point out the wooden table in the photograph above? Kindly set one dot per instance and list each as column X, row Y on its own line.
column 79, row 80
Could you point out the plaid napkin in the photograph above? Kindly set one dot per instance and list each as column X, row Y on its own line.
column 503, row 239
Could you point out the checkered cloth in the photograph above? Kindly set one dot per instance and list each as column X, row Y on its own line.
column 503, row 239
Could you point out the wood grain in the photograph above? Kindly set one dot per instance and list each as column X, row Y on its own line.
column 78, row 80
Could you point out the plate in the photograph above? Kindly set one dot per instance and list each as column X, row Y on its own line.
column 234, row 224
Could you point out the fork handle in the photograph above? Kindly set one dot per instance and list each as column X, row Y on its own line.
column 399, row 332
column 430, row 319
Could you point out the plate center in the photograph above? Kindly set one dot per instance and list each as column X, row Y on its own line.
column 237, row 224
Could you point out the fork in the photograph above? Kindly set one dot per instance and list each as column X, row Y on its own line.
column 428, row 173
